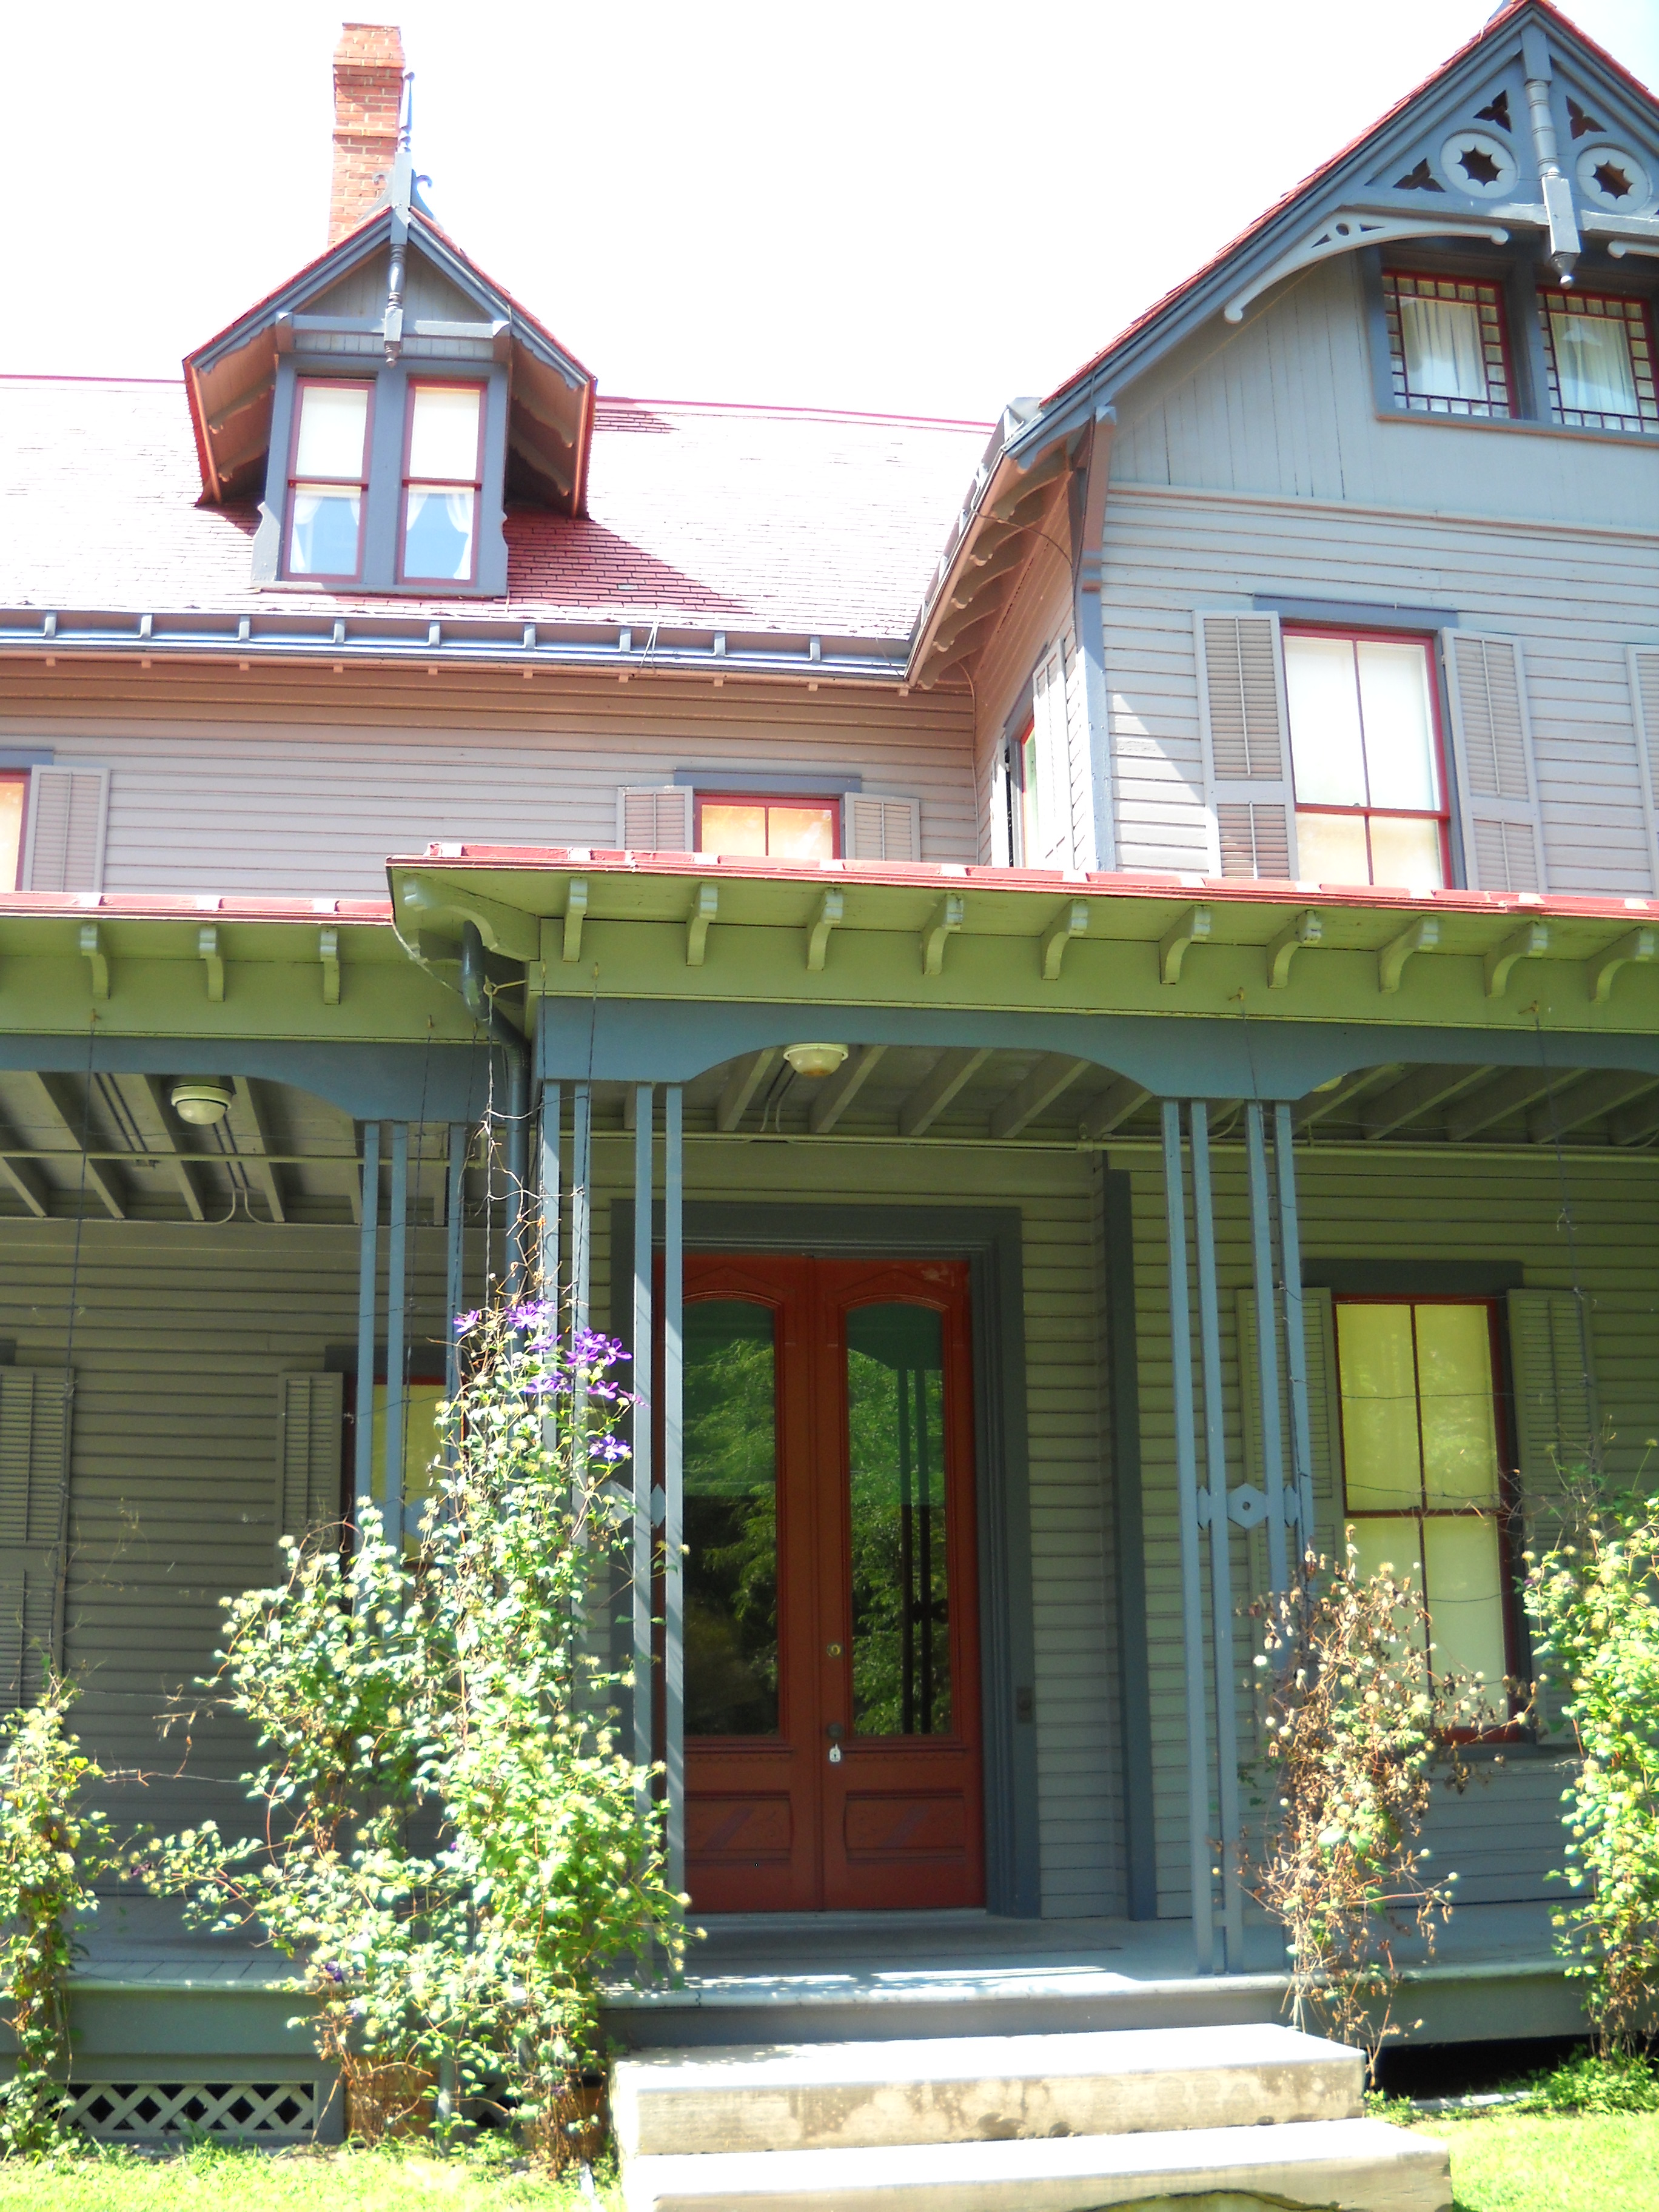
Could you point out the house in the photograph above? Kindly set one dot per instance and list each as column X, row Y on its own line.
column 1094, row 984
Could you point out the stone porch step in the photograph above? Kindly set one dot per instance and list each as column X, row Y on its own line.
column 967, row 2089
column 1361, row 2166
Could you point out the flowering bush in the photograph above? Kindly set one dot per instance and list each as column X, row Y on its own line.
column 1597, row 1614
column 51, row 1853
column 453, row 1850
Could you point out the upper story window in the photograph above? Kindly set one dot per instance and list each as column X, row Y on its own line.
column 1447, row 346
column 13, row 800
column 745, row 827
column 1367, row 760
column 443, row 475
column 328, row 478
column 1599, row 352
column 1423, row 1465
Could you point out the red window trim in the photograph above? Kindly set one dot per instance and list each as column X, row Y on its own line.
column 801, row 798
column 473, row 483
column 301, row 385
column 1509, row 1480
column 1442, row 814
column 1505, row 341
column 21, row 776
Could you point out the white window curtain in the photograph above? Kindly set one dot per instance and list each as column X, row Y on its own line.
column 1445, row 358
column 1592, row 360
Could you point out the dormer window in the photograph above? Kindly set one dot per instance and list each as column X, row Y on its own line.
column 443, row 475
column 328, row 478
column 1446, row 345
column 1599, row 361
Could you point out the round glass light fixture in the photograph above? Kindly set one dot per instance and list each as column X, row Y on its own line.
column 815, row 1061
column 200, row 1101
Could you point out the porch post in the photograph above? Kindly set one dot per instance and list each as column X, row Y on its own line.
column 363, row 1476
column 1266, row 1347
column 1296, row 1345
column 1191, row 1618
column 643, row 1348
column 551, row 1196
column 396, row 1270
column 455, row 1252
column 1213, row 1508
column 581, row 1208
column 673, row 1471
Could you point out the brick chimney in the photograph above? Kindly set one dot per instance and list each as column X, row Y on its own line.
column 368, row 88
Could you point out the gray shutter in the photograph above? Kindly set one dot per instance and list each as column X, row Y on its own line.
column 875, row 826
column 1644, row 699
column 1555, row 1411
column 1497, row 784
column 308, row 1452
column 654, row 817
column 1248, row 789
column 1324, row 1412
column 64, row 836
column 34, row 1467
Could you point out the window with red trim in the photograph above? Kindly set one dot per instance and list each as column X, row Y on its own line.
column 1425, row 1468
column 14, row 806
column 443, row 476
column 1598, row 349
column 328, row 478
column 1448, row 345
column 1366, row 759
column 747, row 825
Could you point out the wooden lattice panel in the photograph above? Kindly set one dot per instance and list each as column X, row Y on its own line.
column 149, row 2111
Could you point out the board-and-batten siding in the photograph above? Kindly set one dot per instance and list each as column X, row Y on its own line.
column 1506, row 1832
column 221, row 784
column 1253, row 462
column 182, row 1337
column 1080, row 1808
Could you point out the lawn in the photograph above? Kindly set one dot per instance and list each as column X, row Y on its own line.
column 212, row 2179
column 1519, row 2161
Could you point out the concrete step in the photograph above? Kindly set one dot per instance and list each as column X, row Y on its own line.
column 1361, row 2166
column 965, row 2089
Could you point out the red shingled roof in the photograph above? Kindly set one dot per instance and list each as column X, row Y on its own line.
column 706, row 517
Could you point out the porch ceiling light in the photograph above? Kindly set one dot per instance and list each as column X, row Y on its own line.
column 201, row 1103
column 815, row 1061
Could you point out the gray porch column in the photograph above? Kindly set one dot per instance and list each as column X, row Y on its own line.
column 551, row 1196
column 396, row 1276
column 644, row 1515
column 454, row 1252
column 1266, row 1349
column 581, row 1208
column 1192, row 1613
column 363, row 1477
column 673, row 1474
column 1296, row 1343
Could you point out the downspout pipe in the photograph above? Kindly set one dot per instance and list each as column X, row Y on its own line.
column 515, row 1045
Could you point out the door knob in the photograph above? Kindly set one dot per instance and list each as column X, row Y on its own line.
column 835, row 1731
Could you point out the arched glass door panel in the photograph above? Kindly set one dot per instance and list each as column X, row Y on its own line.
column 730, row 1518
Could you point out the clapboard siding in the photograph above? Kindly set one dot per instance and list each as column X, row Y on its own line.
column 1505, row 1834
column 1080, row 1786
column 307, row 787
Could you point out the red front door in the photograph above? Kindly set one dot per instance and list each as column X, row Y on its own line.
column 831, row 1652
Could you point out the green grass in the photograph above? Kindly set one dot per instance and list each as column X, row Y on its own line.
column 1520, row 2162
column 210, row 2178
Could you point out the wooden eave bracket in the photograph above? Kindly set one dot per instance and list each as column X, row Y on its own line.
column 705, row 908
column 1307, row 928
column 328, row 953
column 1530, row 941
column 1073, row 922
column 92, row 952
column 943, row 923
column 1423, row 935
column 832, row 907
column 505, row 929
column 576, row 913
column 1599, row 972
column 211, row 955
column 1345, row 232
column 1193, row 928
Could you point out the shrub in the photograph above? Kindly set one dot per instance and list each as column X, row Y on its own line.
column 1592, row 2081
column 1594, row 1601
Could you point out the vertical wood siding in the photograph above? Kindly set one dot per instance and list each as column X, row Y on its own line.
column 1506, row 1832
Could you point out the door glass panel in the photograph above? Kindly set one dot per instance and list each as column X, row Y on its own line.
column 900, row 1592
column 1465, row 1595
column 1460, row 1429
column 730, row 1518
column 1379, row 1406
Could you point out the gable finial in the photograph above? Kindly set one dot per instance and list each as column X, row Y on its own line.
column 403, row 189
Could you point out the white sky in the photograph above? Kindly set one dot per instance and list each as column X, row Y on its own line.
column 924, row 206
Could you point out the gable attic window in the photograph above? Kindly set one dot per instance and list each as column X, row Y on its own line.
column 443, row 476
column 1599, row 353
column 328, row 477
column 1448, row 350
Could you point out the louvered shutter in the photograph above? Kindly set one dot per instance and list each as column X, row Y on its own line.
column 1324, row 1412
column 1053, row 810
column 1496, row 782
column 876, row 827
column 1645, row 697
column 308, row 1452
column 653, row 818
column 64, row 836
column 33, row 1467
column 1247, row 753
column 1555, row 1411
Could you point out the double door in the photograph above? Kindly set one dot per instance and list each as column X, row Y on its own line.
column 832, row 1708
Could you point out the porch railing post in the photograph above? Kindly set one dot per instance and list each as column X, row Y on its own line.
column 362, row 1474
column 551, row 1196
column 1192, row 1615
column 454, row 1254
column 1213, row 1511
column 644, row 1348
column 1296, row 1344
column 1267, row 1348
column 397, row 1246
column 673, row 1474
